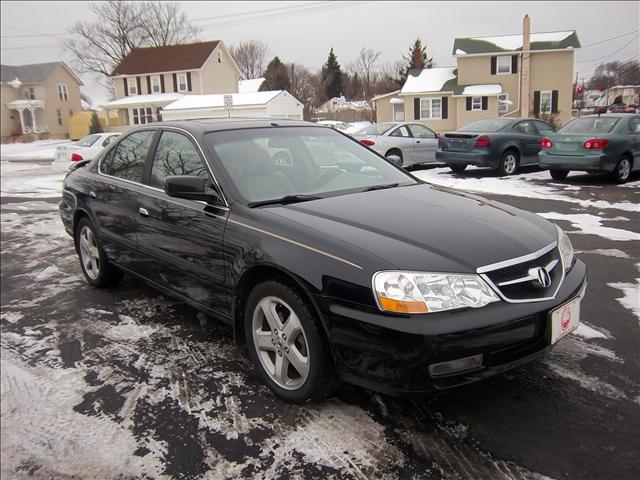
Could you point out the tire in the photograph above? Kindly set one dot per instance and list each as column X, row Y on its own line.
column 395, row 151
column 509, row 163
column 558, row 174
column 458, row 168
column 622, row 172
column 272, row 351
column 96, row 268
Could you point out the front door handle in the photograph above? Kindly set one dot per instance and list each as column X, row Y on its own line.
column 417, row 141
column 92, row 194
column 143, row 212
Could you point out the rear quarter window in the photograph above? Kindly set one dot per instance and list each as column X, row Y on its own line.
column 126, row 160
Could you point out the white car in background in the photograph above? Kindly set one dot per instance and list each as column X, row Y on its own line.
column 84, row 149
column 355, row 127
column 335, row 124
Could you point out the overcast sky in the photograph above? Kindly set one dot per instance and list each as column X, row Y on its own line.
column 305, row 31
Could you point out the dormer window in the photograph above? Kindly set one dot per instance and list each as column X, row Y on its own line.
column 132, row 85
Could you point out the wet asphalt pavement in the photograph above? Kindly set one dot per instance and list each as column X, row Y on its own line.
column 128, row 383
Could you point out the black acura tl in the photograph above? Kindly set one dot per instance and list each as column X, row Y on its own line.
column 328, row 261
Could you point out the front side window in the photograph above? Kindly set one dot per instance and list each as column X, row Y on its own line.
column 545, row 101
column 127, row 160
column 503, row 103
column 270, row 163
column 175, row 155
column 155, row 84
column 63, row 93
column 476, row 103
column 543, row 128
column 430, row 108
column 504, row 65
column 141, row 115
column 132, row 85
column 182, row 82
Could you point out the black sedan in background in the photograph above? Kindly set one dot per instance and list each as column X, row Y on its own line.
column 500, row 143
column 295, row 235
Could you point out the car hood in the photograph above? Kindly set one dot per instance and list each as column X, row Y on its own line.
column 421, row 227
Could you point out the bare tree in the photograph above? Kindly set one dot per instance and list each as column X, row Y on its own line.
column 119, row 26
column 302, row 88
column 364, row 66
column 250, row 55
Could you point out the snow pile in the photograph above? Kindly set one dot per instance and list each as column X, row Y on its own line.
column 150, row 99
column 490, row 89
column 251, row 85
column 38, row 150
column 429, row 80
column 216, row 101
column 514, row 42
column 592, row 225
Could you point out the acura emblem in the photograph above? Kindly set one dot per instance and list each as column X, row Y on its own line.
column 541, row 278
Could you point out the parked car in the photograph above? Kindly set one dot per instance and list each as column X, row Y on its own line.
column 320, row 269
column 594, row 143
column 84, row 149
column 355, row 127
column 409, row 143
column 335, row 124
column 623, row 108
column 504, row 144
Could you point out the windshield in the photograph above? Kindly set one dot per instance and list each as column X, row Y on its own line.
column 271, row 163
column 376, row 129
column 486, row 125
column 88, row 140
column 590, row 125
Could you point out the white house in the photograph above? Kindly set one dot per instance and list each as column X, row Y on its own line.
column 270, row 104
column 251, row 85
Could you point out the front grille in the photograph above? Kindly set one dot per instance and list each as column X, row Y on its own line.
column 527, row 290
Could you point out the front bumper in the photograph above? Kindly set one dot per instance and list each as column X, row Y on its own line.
column 392, row 354
column 478, row 158
column 576, row 162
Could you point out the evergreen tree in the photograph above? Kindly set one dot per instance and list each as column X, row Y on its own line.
column 417, row 60
column 331, row 76
column 276, row 76
column 95, row 126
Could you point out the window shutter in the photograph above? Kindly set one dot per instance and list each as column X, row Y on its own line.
column 485, row 103
column 514, row 63
column 162, row 83
column 139, row 87
column 148, row 84
column 536, row 101
column 494, row 60
column 468, row 103
column 554, row 101
column 175, row 82
column 189, row 81
column 126, row 87
column 416, row 108
column 445, row 108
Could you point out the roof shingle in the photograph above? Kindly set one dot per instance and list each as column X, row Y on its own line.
column 170, row 58
column 513, row 43
column 27, row 74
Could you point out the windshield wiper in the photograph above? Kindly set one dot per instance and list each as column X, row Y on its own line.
column 284, row 200
column 381, row 187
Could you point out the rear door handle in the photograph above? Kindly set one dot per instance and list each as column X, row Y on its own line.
column 143, row 212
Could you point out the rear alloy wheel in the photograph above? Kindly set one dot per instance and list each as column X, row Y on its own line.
column 559, row 174
column 622, row 171
column 285, row 343
column 397, row 152
column 97, row 269
column 458, row 168
column 508, row 163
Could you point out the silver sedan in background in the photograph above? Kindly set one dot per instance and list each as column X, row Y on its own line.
column 413, row 143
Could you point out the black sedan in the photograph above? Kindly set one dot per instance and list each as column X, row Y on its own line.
column 296, row 236
column 500, row 143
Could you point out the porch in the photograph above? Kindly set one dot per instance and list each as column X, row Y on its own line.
column 31, row 115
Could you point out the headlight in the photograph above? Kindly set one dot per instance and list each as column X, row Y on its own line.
column 418, row 292
column 566, row 249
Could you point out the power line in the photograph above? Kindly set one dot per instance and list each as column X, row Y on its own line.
column 612, row 54
column 265, row 10
column 609, row 39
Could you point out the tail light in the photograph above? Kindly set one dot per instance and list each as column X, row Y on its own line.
column 76, row 157
column 546, row 143
column 368, row 143
column 595, row 144
column 440, row 141
column 483, row 142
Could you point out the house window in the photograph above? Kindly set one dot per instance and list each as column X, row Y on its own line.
column 398, row 112
column 30, row 94
column 431, row 108
column 141, row 116
column 59, row 116
column 476, row 103
column 182, row 82
column 219, row 58
column 504, row 65
column 132, row 86
column 545, row 101
column 63, row 93
column 70, row 113
column 155, row 84
column 503, row 103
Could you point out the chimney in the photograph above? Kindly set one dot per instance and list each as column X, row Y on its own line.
column 525, row 66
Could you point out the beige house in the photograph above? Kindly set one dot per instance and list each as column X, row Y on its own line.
column 528, row 74
column 151, row 78
column 38, row 99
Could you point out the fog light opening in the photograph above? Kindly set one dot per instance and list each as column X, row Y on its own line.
column 456, row 366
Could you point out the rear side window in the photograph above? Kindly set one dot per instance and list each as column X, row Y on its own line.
column 127, row 159
column 403, row 131
column 525, row 128
column 420, row 131
column 175, row 155
column 590, row 125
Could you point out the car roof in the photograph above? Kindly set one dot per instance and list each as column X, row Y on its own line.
column 206, row 125
column 613, row 115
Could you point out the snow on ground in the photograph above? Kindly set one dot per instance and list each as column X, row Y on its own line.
column 631, row 294
column 40, row 186
column 38, row 150
column 588, row 332
column 592, row 225
column 518, row 186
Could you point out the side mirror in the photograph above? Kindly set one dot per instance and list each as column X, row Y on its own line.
column 395, row 159
column 190, row 188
